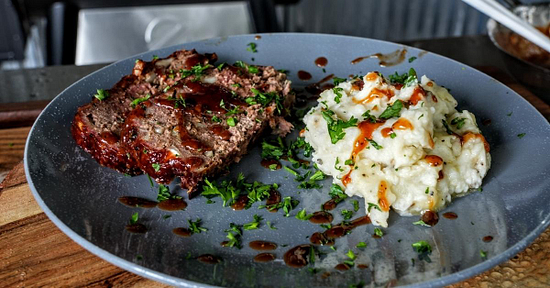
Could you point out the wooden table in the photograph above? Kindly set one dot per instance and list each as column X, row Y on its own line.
column 34, row 252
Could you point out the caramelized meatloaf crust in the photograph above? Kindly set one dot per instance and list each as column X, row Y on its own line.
column 201, row 125
column 191, row 121
column 97, row 125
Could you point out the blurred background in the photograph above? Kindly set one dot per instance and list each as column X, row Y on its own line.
column 42, row 33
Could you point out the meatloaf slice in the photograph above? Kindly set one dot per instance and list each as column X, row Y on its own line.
column 97, row 125
column 205, row 122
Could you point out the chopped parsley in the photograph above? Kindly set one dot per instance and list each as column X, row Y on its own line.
column 393, row 110
column 372, row 205
column 180, row 101
column 301, row 144
column 267, row 98
column 271, row 226
column 311, row 254
column 421, row 223
column 250, row 101
column 164, row 194
column 234, row 239
column 250, row 69
column 139, row 100
column 233, row 111
column 253, row 69
column 411, row 78
column 483, row 254
column 289, row 204
column 378, row 232
column 134, row 218
column 327, row 226
column 231, row 121
column 336, row 127
column 195, row 227
column 227, row 195
column 302, row 215
column 296, row 174
column 338, row 92
column 449, row 131
column 254, row 224
column 339, row 168
column 311, row 183
column 251, row 47
column 355, row 205
column 338, row 80
column 101, row 94
column 398, row 79
column 347, row 214
column 197, row 71
column 427, row 190
column 220, row 67
column 521, row 135
column 337, row 193
column 424, row 249
column 156, row 166
column 349, row 162
column 367, row 116
column 406, row 79
column 374, row 144
column 458, row 122
column 274, row 149
column 155, row 57
column 228, row 190
column 317, row 176
column 509, row 114
column 352, row 257
column 216, row 119
column 412, row 59
column 166, row 216
column 150, row 180
column 361, row 245
column 393, row 135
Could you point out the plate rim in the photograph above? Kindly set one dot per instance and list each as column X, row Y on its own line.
column 177, row 281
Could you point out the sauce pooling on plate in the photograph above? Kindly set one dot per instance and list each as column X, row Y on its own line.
column 304, row 75
column 299, row 256
column 137, row 202
column 262, row 245
column 321, row 62
column 209, row 259
column 385, row 60
column 172, row 204
column 264, row 257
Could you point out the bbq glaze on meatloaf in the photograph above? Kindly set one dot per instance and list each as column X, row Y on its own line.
column 201, row 125
column 182, row 117
column 97, row 125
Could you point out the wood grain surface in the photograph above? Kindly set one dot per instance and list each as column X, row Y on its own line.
column 34, row 252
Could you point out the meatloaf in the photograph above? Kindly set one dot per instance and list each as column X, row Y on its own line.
column 191, row 123
column 96, row 126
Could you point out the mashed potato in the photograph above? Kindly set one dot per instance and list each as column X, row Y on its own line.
column 397, row 143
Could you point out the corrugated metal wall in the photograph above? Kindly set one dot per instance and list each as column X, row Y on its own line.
column 394, row 20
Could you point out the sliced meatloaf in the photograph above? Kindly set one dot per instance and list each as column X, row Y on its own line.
column 206, row 121
column 97, row 125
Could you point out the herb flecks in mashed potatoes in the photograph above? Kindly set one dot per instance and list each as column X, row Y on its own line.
column 403, row 136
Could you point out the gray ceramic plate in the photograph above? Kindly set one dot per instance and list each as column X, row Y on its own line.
column 80, row 196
